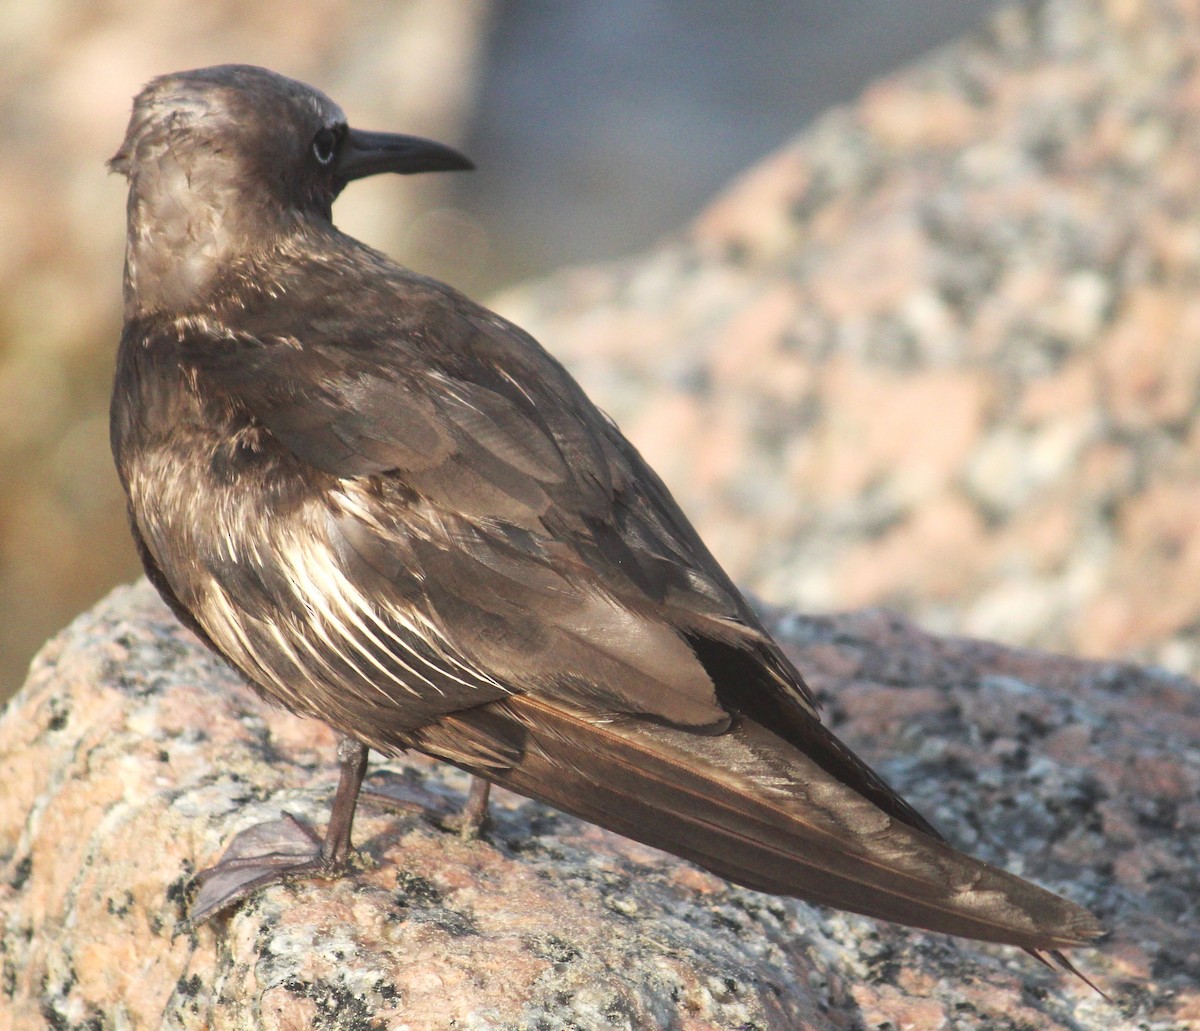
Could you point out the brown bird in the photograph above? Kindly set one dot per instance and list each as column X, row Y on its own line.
column 391, row 510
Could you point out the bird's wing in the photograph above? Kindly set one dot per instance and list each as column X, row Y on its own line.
column 569, row 570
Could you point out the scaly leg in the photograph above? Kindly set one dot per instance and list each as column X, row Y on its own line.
column 474, row 816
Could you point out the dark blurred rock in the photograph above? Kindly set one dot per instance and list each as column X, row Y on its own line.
column 132, row 756
column 942, row 352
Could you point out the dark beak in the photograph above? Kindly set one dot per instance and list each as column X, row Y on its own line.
column 369, row 153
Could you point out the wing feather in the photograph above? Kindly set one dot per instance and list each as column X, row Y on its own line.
column 566, row 552
column 755, row 810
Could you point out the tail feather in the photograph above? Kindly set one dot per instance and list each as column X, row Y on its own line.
column 749, row 806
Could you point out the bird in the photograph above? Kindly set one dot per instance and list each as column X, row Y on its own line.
column 390, row 509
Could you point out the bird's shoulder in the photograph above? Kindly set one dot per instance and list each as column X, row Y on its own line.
column 362, row 367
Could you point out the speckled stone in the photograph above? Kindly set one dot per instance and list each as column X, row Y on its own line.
column 132, row 756
column 942, row 352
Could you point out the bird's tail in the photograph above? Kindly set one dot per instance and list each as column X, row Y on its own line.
column 751, row 807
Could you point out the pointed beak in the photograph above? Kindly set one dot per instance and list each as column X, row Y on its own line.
column 369, row 153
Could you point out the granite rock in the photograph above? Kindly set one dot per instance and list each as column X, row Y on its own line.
column 132, row 756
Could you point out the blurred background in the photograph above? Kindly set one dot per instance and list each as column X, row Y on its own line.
column 597, row 128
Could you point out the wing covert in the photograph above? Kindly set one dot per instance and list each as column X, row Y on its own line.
column 472, row 422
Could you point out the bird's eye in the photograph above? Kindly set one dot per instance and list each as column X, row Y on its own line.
column 325, row 145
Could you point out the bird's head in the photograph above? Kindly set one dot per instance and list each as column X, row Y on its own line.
column 223, row 162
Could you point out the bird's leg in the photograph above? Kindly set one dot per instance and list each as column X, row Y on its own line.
column 336, row 849
column 474, row 815
column 286, row 848
column 397, row 792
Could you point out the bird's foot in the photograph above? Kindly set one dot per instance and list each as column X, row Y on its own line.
column 282, row 849
column 260, row 855
column 402, row 793
column 399, row 793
